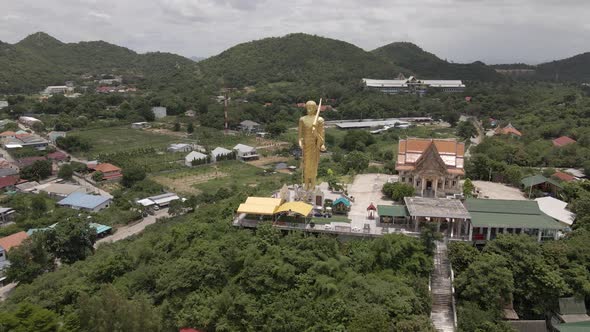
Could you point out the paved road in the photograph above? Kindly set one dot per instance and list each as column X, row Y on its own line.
column 5, row 291
column 129, row 230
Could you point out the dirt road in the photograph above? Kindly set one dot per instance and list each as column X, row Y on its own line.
column 129, row 230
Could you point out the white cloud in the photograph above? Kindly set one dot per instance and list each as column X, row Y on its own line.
column 459, row 30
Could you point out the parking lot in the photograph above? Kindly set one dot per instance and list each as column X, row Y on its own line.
column 493, row 190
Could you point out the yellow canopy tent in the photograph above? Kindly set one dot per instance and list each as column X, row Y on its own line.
column 298, row 207
column 260, row 206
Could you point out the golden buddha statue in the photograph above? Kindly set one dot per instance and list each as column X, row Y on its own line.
column 311, row 142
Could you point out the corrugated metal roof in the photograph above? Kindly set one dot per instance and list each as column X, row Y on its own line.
column 392, row 210
column 436, row 207
column 538, row 179
column 509, row 214
column 84, row 200
column 556, row 209
column 298, row 207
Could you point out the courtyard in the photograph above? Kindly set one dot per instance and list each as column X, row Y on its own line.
column 493, row 190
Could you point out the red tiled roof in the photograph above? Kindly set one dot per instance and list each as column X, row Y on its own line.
column 8, row 133
column 8, row 181
column 27, row 161
column 106, row 168
column 188, row 329
column 563, row 140
column 509, row 129
column 564, row 176
column 442, row 146
column 13, row 240
column 57, row 155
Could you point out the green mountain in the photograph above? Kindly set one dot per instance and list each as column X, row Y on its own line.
column 576, row 68
column 428, row 66
column 298, row 58
column 40, row 60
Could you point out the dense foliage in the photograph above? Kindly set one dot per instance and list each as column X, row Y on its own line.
column 198, row 271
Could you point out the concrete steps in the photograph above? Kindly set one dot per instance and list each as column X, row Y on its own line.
column 442, row 314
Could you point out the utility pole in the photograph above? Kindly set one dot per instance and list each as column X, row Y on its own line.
column 226, row 96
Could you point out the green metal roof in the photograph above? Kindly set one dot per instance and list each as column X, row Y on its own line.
column 574, row 327
column 538, row 179
column 392, row 210
column 511, row 220
column 509, row 214
column 341, row 200
column 502, row 205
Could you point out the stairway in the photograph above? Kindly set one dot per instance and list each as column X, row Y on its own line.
column 442, row 298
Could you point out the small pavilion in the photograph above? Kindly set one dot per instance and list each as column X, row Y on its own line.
column 450, row 215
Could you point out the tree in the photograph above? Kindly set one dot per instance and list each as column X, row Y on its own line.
column 355, row 161
column 29, row 260
column 429, row 235
column 276, row 129
column 39, row 170
column 71, row 240
column 468, row 188
column 397, row 190
column 97, row 176
column 38, row 205
column 487, row 281
column 29, row 317
column 461, row 255
column 65, row 172
column 190, row 128
column 466, row 130
column 177, row 126
column 176, row 207
column 131, row 175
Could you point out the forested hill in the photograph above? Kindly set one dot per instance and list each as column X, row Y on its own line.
column 298, row 58
column 576, row 68
column 40, row 60
column 428, row 66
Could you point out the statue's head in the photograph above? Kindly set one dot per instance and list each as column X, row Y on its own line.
column 311, row 107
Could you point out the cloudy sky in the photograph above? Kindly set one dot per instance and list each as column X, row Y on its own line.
column 494, row 31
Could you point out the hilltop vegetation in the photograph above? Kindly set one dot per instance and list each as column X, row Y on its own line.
column 40, row 60
column 428, row 66
column 295, row 58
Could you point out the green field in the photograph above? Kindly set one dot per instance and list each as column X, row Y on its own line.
column 114, row 139
column 226, row 174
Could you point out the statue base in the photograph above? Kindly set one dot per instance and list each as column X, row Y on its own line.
column 314, row 197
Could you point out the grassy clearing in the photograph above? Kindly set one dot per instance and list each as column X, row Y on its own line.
column 224, row 174
column 114, row 139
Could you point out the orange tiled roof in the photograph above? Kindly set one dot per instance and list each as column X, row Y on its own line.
column 563, row 140
column 8, row 133
column 442, row 146
column 564, row 176
column 107, row 168
column 13, row 240
column 509, row 129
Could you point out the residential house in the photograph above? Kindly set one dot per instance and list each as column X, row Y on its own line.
column 54, row 135
column 195, row 158
column 8, row 182
column 60, row 190
column 28, row 120
column 190, row 113
column 434, row 167
column 28, row 161
column 85, row 202
column 7, row 135
column 564, row 177
column 220, row 153
column 160, row 201
column 58, row 156
column 179, row 147
column 6, row 215
column 109, row 171
column 140, row 125
column 509, row 130
column 14, row 240
column 578, row 173
column 26, row 187
column 57, row 89
column 159, row 112
column 245, row 152
column 563, row 141
column 249, row 126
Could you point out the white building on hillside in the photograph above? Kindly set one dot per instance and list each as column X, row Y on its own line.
column 413, row 85
column 245, row 152
column 159, row 112
column 194, row 155
column 219, row 153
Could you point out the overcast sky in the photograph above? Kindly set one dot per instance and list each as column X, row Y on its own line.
column 494, row 31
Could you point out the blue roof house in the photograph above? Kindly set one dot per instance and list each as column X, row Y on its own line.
column 85, row 202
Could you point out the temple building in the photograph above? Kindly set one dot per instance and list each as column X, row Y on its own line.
column 434, row 167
